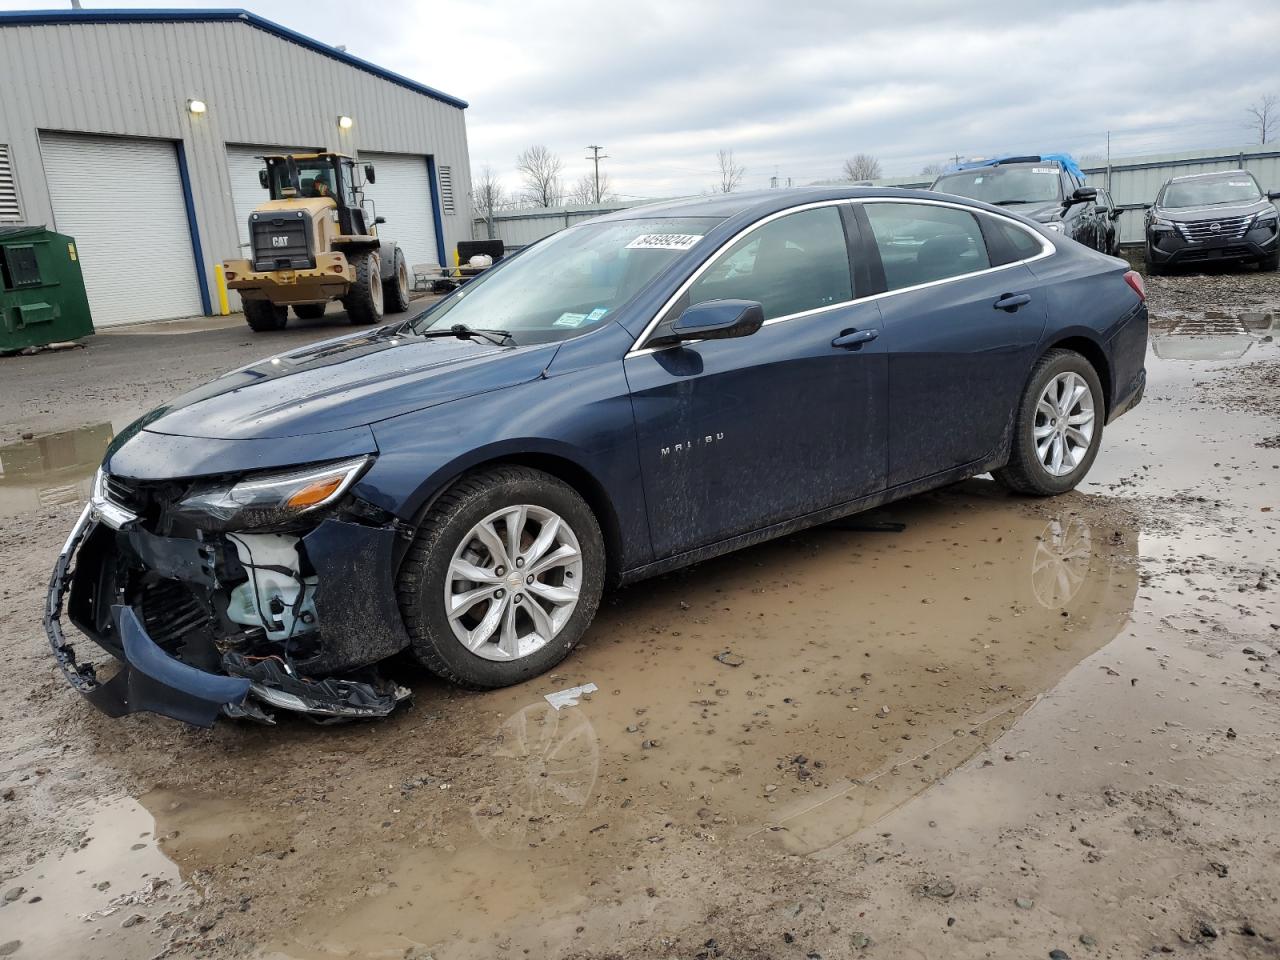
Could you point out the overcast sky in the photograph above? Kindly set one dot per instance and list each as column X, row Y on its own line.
column 794, row 88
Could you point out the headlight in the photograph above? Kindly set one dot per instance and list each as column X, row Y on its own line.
column 1159, row 224
column 1055, row 226
column 1267, row 220
column 272, row 499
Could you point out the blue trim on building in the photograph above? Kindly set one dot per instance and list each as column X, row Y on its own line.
column 21, row 18
column 197, row 250
column 435, row 210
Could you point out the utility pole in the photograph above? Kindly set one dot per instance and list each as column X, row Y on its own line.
column 596, row 157
column 1108, row 161
column 956, row 158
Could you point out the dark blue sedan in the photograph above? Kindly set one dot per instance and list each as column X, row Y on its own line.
column 636, row 393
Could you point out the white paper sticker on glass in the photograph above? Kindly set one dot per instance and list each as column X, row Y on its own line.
column 664, row 241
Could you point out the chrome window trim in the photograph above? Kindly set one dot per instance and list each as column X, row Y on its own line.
column 1047, row 248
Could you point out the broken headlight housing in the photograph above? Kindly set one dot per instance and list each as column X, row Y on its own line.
column 271, row 499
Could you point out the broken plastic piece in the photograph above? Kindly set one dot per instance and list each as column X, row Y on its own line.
column 569, row 698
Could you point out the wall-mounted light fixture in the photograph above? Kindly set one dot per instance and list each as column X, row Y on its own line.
column 345, row 123
column 197, row 106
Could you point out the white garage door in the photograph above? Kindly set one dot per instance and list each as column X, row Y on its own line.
column 122, row 201
column 402, row 194
column 243, row 164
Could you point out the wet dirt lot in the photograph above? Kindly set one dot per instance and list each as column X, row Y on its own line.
column 1013, row 727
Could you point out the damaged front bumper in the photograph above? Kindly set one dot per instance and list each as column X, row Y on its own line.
column 160, row 606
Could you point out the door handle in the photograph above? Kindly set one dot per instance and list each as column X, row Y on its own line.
column 853, row 339
column 1012, row 301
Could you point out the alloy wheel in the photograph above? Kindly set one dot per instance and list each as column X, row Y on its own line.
column 513, row 582
column 1064, row 424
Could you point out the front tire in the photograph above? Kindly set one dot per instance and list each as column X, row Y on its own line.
column 503, row 578
column 1270, row 263
column 364, row 300
column 1057, row 427
column 263, row 316
column 396, row 289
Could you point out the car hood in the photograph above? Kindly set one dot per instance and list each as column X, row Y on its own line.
column 1219, row 211
column 352, row 381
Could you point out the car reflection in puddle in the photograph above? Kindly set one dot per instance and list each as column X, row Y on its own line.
column 871, row 665
column 1211, row 337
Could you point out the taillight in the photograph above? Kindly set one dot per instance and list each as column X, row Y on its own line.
column 1134, row 279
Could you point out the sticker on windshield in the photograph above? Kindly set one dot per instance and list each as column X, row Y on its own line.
column 597, row 313
column 1044, row 169
column 1239, row 183
column 664, row 241
column 570, row 320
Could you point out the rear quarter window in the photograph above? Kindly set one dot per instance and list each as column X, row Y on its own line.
column 1009, row 243
column 921, row 243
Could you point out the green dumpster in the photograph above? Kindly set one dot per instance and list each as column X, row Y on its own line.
column 42, row 297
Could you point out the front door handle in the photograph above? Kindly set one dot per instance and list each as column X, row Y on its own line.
column 1012, row 301
column 853, row 339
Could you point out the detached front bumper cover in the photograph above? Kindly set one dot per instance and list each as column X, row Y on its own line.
column 149, row 680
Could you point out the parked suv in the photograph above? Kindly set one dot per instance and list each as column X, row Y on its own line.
column 1048, row 189
column 1109, row 214
column 1212, row 217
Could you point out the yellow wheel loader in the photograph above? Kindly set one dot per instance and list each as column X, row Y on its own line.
column 313, row 242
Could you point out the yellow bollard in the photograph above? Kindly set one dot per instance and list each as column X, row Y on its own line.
column 222, row 290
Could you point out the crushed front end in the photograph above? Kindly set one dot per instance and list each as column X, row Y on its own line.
column 233, row 595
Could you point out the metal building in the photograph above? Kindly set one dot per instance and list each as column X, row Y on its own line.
column 138, row 132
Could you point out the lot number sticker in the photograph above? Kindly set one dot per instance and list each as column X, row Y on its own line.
column 664, row 241
column 570, row 320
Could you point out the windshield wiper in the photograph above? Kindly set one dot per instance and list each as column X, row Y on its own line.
column 1010, row 203
column 463, row 332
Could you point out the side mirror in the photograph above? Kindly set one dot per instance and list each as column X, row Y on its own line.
column 368, row 173
column 1115, row 214
column 714, row 320
column 378, row 220
column 1274, row 195
column 262, row 178
column 1083, row 195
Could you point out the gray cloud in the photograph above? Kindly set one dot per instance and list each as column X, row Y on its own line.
column 800, row 86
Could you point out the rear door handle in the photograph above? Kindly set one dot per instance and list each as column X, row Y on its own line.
column 1012, row 301
column 853, row 339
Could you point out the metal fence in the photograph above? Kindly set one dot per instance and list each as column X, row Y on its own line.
column 522, row 226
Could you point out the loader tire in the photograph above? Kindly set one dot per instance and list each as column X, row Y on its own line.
column 364, row 300
column 396, row 288
column 263, row 316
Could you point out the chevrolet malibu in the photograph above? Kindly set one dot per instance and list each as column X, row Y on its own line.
column 634, row 394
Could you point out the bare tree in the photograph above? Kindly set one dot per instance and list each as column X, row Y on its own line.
column 487, row 196
column 861, row 166
column 931, row 170
column 731, row 173
column 540, row 169
column 1266, row 116
column 584, row 191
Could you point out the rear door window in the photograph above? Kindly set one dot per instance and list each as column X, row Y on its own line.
column 795, row 263
column 921, row 243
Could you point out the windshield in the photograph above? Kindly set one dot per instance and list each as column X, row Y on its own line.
column 1024, row 183
column 315, row 178
column 1226, row 188
column 570, row 282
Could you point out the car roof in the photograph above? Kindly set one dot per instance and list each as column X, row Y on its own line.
column 1211, row 173
column 764, row 202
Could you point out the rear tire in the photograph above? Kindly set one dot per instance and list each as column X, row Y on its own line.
column 550, row 588
column 364, row 300
column 263, row 316
column 309, row 311
column 1052, row 425
column 396, row 289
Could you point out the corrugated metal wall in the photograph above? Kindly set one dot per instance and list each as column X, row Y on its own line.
column 134, row 79
column 1135, row 181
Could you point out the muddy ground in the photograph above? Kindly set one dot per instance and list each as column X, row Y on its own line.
column 1012, row 728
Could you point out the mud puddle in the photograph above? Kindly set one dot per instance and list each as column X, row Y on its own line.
column 109, row 896
column 51, row 470
column 786, row 696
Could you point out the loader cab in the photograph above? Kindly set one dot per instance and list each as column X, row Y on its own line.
column 317, row 177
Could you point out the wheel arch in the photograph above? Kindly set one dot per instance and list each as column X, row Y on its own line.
column 1092, row 351
column 556, row 464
